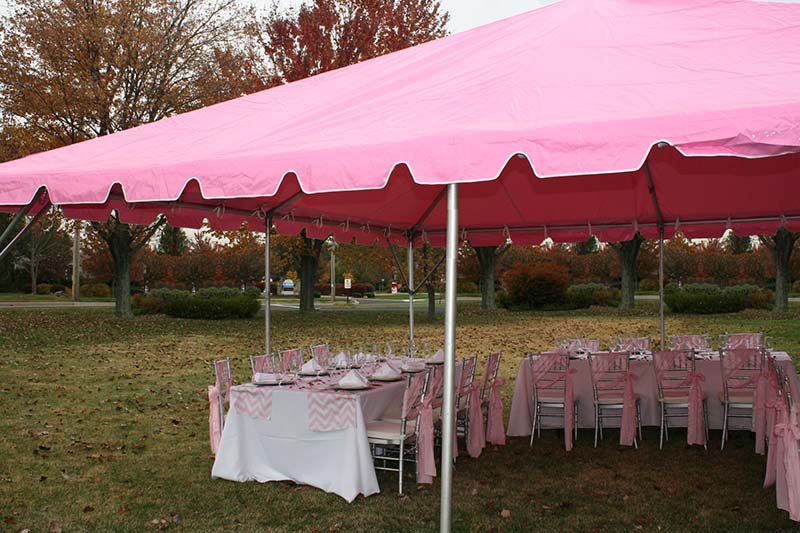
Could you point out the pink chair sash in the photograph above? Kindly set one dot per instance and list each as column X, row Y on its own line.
column 779, row 413
column 540, row 367
column 627, row 427
column 223, row 376
column 476, row 438
column 214, row 429
column 426, row 463
column 760, row 395
column 495, row 431
column 696, row 433
column 787, row 486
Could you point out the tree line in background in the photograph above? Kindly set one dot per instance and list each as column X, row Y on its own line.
column 175, row 259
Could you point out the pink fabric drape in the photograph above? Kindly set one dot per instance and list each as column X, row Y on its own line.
column 495, row 430
column 476, row 437
column 601, row 366
column 779, row 412
column 426, row 463
column 787, row 462
column 214, row 426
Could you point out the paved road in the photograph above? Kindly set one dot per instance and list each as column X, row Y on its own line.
column 363, row 304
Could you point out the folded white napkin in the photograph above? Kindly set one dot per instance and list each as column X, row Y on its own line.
column 341, row 360
column 353, row 379
column 386, row 371
column 413, row 364
column 266, row 377
column 438, row 357
column 396, row 364
column 311, row 366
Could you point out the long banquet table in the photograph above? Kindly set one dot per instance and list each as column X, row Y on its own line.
column 304, row 432
column 645, row 387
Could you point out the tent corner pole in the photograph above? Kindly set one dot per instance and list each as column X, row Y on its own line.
column 448, row 429
column 268, row 287
column 661, row 282
column 411, row 293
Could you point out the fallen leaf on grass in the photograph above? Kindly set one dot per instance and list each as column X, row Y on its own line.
column 55, row 526
column 88, row 509
column 505, row 513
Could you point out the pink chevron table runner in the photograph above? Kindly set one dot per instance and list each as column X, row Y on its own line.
column 254, row 402
column 331, row 412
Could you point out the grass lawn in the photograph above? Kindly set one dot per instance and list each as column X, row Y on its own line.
column 27, row 297
column 104, row 427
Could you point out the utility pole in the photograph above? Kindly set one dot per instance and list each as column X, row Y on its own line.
column 76, row 261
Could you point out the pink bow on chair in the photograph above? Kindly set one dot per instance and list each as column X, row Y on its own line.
column 476, row 437
column 696, row 432
column 214, row 429
column 787, row 486
column 495, row 430
column 426, row 463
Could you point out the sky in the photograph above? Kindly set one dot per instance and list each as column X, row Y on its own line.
column 464, row 14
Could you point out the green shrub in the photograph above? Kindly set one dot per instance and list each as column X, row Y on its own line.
column 43, row 288
column 466, row 287
column 240, row 306
column 218, row 292
column 96, row 290
column 370, row 295
column 146, row 305
column 536, row 285
column 648, row 284
column 588, row 294
column 796, row 287
column 166, row 294
column 705, row 299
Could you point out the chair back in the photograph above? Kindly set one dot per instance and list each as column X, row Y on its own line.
column 322, row 353
column 262, row 363
column 672, row 370
column 436, row 386
column 633, row 344
column 466, row 378
column 414, row 394
column 549, row 373
column 222, row 377
column 490, row 372
column 291, row 359
column 581, row 345
column 607, row 371
column 734, row 341
column 740, row 368
column 690, row 342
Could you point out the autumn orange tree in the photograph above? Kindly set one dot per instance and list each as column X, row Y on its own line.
column 328, row 34
column 71, row 70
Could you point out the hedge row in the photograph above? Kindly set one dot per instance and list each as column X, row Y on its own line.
column 705, row 298
column 210, row 303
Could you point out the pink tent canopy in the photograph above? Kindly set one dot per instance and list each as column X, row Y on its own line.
column 617, row 97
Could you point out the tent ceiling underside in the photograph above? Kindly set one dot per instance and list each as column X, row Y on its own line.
column 701, row 196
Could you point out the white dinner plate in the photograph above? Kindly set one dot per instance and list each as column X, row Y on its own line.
column 339, row 386
column 392, row 378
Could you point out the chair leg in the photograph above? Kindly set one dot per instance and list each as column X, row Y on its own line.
column 724, row 426
column 596, row 424
column 661, row 433
column 402, row 461
column 575, row 423
column 639, row 419
column 705, row 417
column 533, row 422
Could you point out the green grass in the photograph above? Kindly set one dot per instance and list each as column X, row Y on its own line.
column 105, row 428
column 27, row 297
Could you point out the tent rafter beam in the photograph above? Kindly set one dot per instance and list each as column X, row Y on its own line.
column 24, row 231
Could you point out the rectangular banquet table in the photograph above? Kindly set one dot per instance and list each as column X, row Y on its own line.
column 645, row 387
column 305, row 433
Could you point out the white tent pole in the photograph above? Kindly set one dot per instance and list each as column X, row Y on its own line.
column 448, row 433
column 661, row 281
column 411, row 293
column 268, row 288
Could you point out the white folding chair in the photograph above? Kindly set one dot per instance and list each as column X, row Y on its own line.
column 394, row 442
column 739, row 370
column 549, row 371
column 697, row 343
column 467, row 378
column 224, row 382
column 635, row 345
column 672, row 369
column 322, row 353
column 733, row 341
column 262, row 363
column 291, row 360
column 608, row 390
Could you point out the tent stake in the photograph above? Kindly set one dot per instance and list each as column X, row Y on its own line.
column 449, row 358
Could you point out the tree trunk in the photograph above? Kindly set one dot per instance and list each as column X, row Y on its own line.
column 487, row 260
column 628, row 251
column 34, row 276
column 308, row 278
column 431, row 301
column 783, row 244
column 119, row 244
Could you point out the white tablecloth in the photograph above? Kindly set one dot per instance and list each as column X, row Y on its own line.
column 253, row 448
column 645, row 387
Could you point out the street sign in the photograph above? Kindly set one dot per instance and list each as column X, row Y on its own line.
column 348, row 283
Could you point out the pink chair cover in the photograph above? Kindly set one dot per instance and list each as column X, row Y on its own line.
column 695, row 426
column 260, row 361
column 640, row 344
column 214, row 429
column 540, row 367
column 426, row 462
column 601, row 366
column 476, row 437
column 290, row 358
column 779, row 411
column 690, row 342
column 223, row 376
column 787, row 462
column 495, row 430
column 736, row 360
